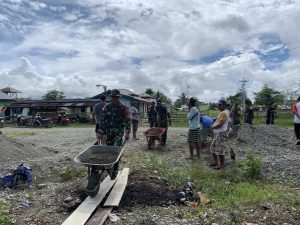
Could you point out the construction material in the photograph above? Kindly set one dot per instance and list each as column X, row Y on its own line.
column 100, row 216
column 116, row 194
column 88, row 206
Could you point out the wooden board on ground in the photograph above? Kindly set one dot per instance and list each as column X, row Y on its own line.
column 116, row 193
column 100, row 216
column 88, row 206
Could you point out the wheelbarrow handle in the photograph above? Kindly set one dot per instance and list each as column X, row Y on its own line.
column 124, row 142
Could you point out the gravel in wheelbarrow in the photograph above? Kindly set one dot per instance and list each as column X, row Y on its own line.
column 100, row 155
column 101, row 158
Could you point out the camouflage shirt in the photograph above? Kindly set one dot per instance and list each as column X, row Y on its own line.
column 115, row 116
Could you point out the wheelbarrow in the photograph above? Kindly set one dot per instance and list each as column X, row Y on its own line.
column 153, row 134
column 98, row 159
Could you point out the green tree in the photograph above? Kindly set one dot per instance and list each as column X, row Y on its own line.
column 268, row 95
column 237, row 98
column 149, row 91
column 162, row 97
column 177, row 103
column 182, row 100
column 54, row 95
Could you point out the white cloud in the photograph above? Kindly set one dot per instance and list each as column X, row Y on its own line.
column 139, row 44
column 37, row 5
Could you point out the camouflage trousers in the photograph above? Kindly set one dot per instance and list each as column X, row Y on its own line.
column 115, row 136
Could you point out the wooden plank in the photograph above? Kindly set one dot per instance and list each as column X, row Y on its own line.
column 100, row 216
column 88, row 206
column 116, row 193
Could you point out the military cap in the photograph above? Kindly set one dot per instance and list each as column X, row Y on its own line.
column 115, row 93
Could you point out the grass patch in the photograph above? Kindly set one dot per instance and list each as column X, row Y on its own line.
column 240, row 186
column 252, row 166
column 21, row 133
column 75, row 125
column 284, row 118
column 5, row 218
column 232, row 188
column 70, row 172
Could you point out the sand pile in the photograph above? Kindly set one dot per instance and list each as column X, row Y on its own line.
column 15, row 151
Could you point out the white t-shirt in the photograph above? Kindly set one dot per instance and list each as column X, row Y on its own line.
column 135, row 113
column 296, row 119
column 194, row 118
column 222, row 116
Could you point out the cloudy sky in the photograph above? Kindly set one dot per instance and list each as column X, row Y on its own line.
column 73, row 45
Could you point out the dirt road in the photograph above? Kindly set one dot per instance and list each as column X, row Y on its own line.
column 48, row 151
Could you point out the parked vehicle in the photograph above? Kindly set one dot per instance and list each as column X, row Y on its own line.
column 74, row 118
column 24, row 121
column 63, row 120
column 42, row 122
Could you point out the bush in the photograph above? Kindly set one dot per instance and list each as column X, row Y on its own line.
column 5, row 219
column 252, row 166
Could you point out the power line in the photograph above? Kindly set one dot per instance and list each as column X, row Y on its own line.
column 280, row 79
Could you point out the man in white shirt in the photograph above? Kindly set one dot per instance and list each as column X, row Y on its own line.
column 135, row 118
column 220, row 133
column 194, row 128
column 296, row 111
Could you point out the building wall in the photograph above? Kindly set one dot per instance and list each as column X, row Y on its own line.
column 7, row 111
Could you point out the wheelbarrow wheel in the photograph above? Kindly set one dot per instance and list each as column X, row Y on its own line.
column 93, row 182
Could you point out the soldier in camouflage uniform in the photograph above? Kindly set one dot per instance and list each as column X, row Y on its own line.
column 163, row 120
column 115, row 121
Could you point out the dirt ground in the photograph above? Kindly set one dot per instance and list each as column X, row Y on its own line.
column 148, row 199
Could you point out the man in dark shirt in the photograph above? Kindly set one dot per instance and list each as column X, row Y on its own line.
column 163, row 120
column 152, row 115
column 270, row 114
column 248, row 115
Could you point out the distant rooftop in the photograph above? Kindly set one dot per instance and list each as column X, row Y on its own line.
column 145, row 95
column 9, row 90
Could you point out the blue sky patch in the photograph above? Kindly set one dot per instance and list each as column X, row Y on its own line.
column 136, row 61
column 272, row 52
column 212, row 58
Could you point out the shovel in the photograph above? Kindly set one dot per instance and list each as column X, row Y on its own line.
column 232, row 154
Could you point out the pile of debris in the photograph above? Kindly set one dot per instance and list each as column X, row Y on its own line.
column 265, row 135
column 14, row 151
column 190, row 196
column 276, row 145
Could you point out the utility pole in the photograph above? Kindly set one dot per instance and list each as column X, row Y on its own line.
column 244, row 92
column 100, row 85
